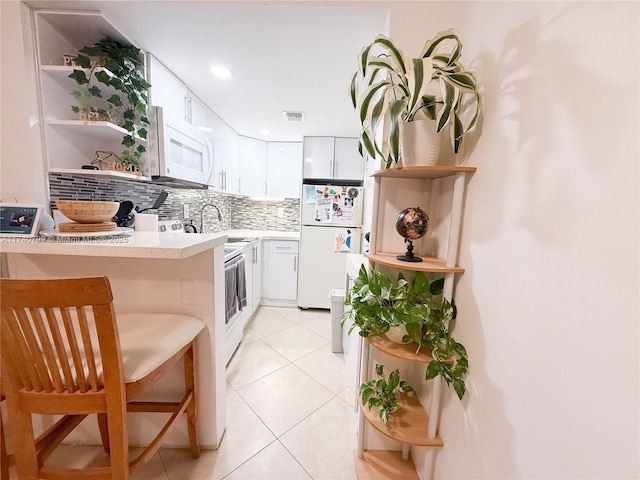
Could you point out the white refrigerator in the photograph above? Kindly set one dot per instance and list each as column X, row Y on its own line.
column 331, row 224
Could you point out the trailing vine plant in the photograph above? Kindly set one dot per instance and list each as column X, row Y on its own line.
column 382, row 392
column 378, row 303
column 109, row 64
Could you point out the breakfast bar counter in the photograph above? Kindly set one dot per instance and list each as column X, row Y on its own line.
column 149, row 272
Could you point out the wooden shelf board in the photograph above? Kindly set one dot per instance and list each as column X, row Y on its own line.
column 435, row 171
column 100, row 173
column 405, row 351
column 408, row 425
column 428, row 264
column 384, row 465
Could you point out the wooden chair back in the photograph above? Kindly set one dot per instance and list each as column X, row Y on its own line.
column 59, row 337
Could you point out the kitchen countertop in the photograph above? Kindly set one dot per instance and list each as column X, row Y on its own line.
column 264, row 234
column 136, row 245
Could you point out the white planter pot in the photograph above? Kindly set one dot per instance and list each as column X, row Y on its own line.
column 419, row 143
column 395, row 334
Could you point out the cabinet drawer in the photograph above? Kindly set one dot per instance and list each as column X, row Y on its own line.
column 282, row 246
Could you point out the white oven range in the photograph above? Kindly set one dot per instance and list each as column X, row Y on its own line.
column 235, row 285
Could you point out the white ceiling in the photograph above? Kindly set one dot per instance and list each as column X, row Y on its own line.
column 284, row 57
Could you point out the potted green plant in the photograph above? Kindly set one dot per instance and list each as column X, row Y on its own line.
column 117, row 67
column 382, row 392
column 377, row 304
column 389, row 90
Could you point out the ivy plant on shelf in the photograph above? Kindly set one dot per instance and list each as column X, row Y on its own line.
column 382, row 392
column 377, row 303
column 113, row 66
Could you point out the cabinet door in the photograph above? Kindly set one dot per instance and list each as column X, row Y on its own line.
column 227, row 176
column 284, row 169
column 318, row 157
column 167, row 90
column 280, row 270
column 197, row 112
column 252, row 163
column 282, row 276
column 348, row 163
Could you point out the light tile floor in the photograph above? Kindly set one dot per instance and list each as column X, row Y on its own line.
column 289, row 411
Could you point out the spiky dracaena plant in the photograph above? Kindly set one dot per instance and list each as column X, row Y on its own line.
column 388, row 89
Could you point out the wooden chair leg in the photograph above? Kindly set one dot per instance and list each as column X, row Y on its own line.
column 118, row 438
column 191, row 384
column 104, row 430
column 22, row 434
column 4, row 458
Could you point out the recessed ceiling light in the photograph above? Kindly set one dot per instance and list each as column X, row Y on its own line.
column 204, row 129
column 220, row 71
column 264, row 131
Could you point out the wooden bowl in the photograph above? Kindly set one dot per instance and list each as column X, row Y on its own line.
column 88, row 212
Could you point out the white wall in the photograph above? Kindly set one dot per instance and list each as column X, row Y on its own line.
column 549, row 301
column 548, row 306
column 22, row 177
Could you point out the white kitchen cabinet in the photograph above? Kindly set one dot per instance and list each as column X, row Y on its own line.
column 284, row 170
column 170, row 92
column 225, row 155
column 253, row 281
column 252, row 165
column 70, row 143
column 332, row 158
column 256, row 261
column 280, row 272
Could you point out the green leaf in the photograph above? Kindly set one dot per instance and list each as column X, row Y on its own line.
column 128, row 141
column 83, row 61
column 436, row 286
column 433, row 369
column 384, row 416
column 95, row 91
column 79, row 76
column 115, row 100
column 405, row 387
column 394, row 380
column 459, row 387
column 102, row 76
column 379, row 370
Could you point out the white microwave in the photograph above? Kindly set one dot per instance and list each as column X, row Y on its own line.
column 177, row 150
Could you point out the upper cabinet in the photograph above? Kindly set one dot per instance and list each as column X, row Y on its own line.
column 252, row 164
column 332, row 158
column 269, row 169
column 284, row 170
column 168, row 91
column 69, row 142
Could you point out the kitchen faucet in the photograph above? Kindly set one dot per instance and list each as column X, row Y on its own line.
column 202, row 215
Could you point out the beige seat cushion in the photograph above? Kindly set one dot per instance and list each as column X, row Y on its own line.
column 149, row 339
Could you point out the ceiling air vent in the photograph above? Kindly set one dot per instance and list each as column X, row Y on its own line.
column 294, row 116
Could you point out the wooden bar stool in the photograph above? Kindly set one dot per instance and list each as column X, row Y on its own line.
column 64, row 352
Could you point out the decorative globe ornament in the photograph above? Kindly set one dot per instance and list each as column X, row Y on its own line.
column 411, row 223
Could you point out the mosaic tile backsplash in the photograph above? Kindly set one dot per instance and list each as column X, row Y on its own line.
column 238, row 212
